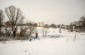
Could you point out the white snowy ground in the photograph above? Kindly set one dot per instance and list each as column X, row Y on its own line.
column 67, row 44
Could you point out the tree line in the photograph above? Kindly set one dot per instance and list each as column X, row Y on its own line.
column 78, row 26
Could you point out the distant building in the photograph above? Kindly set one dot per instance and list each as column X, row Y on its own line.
column 41, row 24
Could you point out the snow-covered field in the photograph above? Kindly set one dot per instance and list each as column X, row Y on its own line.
column 69, row 43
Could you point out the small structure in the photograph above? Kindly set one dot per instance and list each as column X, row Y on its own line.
column 36, row 35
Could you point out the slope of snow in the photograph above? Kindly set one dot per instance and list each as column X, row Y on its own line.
column 46, row 46
column 69, row 43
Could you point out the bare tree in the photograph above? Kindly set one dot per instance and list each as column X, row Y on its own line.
column 14, row 16
column 26, row 31
column 1, row 19
column 82, row 19
column 45, row 30
column 31, row 28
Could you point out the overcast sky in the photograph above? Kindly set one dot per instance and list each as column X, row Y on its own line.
column 49, row 11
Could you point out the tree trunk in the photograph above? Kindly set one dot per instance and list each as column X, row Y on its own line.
column 13, row 35
column 0, row 30
column 14, row 32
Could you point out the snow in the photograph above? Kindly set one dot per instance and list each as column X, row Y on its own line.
column 69, row 43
